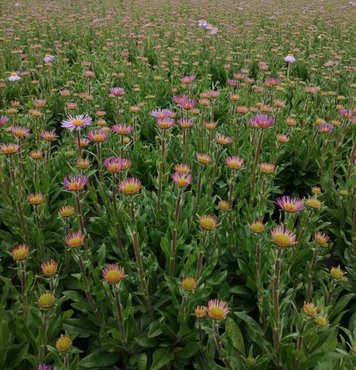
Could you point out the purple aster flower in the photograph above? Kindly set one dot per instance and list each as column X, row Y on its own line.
column 117, row 91
column 289, row 58
column 261, row 121
column 186, row 80
column 14, row 77
column 75, row 183
column 49, row 58
column 346, row 113
column 4, row 120
column 291, row 205
column 77, row 122
column 326, row 128
column 160, row 114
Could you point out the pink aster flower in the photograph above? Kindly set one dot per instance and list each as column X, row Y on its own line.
column 261, row 121
column 182, row 168
column 98, row 136
column 14, row 77
column 291, row 205
column 48, row 58
column 4, row 120
column 77, row 122
column 75, row 183
column 185, row 123
column 115, row 164
column 217, row 310
column 186, row 80
column 130, row 186
column 289, row 58
column 182, row 180
column 116, row 91
column 283, row 237
column 121, row 129
column 326, row 128
column 165, row 123
column 234, row 163
column 160, row 114
column 346, row 113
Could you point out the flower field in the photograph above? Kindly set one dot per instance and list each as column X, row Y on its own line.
column 178, row 185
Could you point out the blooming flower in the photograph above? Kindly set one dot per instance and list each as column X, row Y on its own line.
column 46, row 367
column 234, row 163
column 283, row 237
column 74, row 240
column 14, row 77
column 310, row 309
column 115, row 164
column 186, row 80
column 208, row 222
column 203, row 158
column 116, row 91
column 202, row 23
column 77, row 122
column 182, row 180
column 9, row 148
column 217, row 309
column 49, row 268
column 75, row 183
column 130, row 186
column 20, row 252
column 48, row 58
column 46, row 300
column 35, row 199
column 3, row 120
column 66, row 211
column 289, row 58
column 185, row 123
column 160, row 114
column 122, row 129
column 182, row 168
column 267, row 168
column 337, row 274
column 326, row 128
column 261, row 121
column 113, row 273
column 321, row 239
column 165, row 123
column 222, row 140
column 98, row 136
column 291, row 205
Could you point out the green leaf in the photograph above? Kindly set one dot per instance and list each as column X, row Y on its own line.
column 234, row 333
column 161, row 357
column 140, row 360
column 99, row 359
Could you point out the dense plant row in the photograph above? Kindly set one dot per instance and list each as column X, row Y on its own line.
column 177, row 185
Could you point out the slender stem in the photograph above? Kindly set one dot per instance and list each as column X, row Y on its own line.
column 117, row 226
column 23, row 288
column 80, row 214
column 177, row 212
column 277, row 267
column 310, row 276
column 100, row 164
column 173, row 252
column 119, row 313
column 259, row 145
column 219, row 346
column 159, row 190
column 79, row 146
column 200, row 257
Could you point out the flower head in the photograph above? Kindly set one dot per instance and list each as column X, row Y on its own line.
column 217, row 309
column 116, row 91
column 188, row 284
column 49, row 268
column 116, row 165
column 4, row 120
column 313, row 203
column 208, row 222
column 19, row 131
column 160, row 114
column 63, row 343
column 46, row 367
column 48, row 135
column 289, row 58
column 130, row 186
column 77, row 122
column 257, row 227
column 283, row 237
column 14, row 77
column 20, row 252
column 222, row 140
column 66, row 211
column 234, row 163
column 75, row 183
column 267, row 168
column 261, row 121
column 321, row 239
column 310, row 309
column 200, row 312
column 326, row 128
column 35, row 199
column 182, row 168
column 182, row 180
column 185, row 123
column 113, row 273
column 46, row 300
column 98, row 136
column 203, row 158
column 165, row 123
column 9, row 149
column 122, row 129
column 74, row 240
column 337, row 274
column 291, row 205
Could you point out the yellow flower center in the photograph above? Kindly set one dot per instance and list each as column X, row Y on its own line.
column 75, row 242
column 130, row 189
column 63, row 343
column 77, row 122
column 216, row 313
column 113, row 276
column 257, row 227
column 208, row 224
column 282, row 240
column 289, row 207
column 46, row 300
column 189, row 284
column 20, row 254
